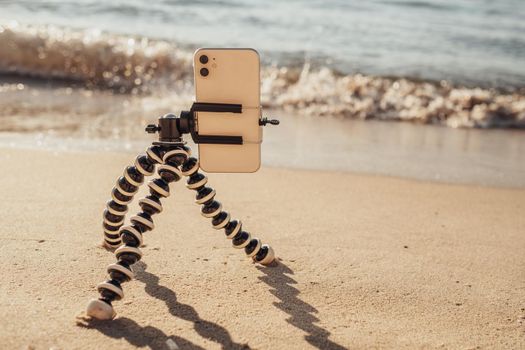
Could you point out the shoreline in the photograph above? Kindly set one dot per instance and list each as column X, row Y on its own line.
column 423, row 152
column 406, row 263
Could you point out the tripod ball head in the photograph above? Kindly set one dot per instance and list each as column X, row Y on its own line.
column 169, row 128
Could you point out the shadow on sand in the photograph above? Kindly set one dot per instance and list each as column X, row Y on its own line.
column 277, row 277
column 153, row 337
column 137, row 335
column 205, row 329
column 301, row 313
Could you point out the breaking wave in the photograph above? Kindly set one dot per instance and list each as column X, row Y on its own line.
column 90, row 56
column 140, row 66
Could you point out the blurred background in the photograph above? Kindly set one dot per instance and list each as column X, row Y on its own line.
column 89, row 74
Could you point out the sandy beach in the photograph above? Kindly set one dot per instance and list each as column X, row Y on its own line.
column 392, row 192
column 364, row 262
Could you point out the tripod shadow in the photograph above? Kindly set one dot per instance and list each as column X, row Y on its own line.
column 205, row 329
column 301, row 313
column 137, row 335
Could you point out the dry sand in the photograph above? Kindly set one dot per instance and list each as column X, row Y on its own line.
column 366, row 262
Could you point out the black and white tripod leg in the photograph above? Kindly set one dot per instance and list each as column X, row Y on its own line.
column 212, row 209
column 129, row 253
column 123, row 192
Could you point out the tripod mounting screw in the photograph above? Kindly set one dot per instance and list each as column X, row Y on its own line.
column 152, row 128
column 265, row 121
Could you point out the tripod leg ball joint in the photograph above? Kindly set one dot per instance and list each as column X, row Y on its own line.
column 175, row 163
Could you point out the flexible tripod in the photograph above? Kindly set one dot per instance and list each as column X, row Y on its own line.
column 175, row 161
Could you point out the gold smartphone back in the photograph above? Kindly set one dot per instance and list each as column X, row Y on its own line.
column 233, row 77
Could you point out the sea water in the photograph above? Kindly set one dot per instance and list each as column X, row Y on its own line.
column 473, row 42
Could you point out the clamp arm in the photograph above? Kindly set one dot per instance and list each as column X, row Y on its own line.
column 218, row 108
column 171, row 128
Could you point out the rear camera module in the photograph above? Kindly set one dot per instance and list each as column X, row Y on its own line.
column 203, row 59
column 204, row 72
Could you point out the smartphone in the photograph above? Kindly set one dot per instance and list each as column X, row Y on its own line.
column 229, row 76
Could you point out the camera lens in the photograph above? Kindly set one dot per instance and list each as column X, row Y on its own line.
column 203, row 59
column 205, row 72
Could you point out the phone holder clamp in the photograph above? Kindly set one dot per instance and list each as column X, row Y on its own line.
column 171, row 128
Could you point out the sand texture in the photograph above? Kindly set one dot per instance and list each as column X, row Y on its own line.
column 366, row 262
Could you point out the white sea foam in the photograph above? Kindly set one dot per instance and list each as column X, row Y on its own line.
column 144, row 68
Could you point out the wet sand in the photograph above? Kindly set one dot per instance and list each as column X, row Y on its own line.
column 422, row 152
column 365, row 262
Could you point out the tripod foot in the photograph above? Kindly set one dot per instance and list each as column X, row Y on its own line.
column 265, row 256
column 100, row 310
